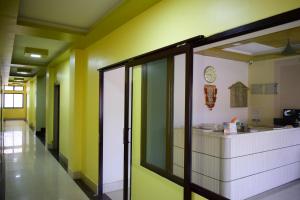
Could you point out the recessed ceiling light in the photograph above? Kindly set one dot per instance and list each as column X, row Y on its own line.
column 35, row 55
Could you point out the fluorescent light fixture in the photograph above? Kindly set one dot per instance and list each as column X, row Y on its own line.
column 35, row 55
column 35, row 52
column 251, row 49
column 24, row 73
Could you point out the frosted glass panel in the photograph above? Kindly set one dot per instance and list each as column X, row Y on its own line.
column 18, row 100
column 8, row 100
column 155, row 80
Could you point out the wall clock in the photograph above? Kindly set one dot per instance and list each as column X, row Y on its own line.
column 210, row 74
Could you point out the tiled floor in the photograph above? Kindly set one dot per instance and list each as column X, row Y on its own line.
column 290, row 191
column 31, row 171
column 115, row 195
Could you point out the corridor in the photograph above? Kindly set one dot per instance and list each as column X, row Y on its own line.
column 31, row 171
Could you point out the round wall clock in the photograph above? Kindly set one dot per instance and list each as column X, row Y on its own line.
column 210, row 74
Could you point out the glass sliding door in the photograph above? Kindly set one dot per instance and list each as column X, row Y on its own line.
column 115, row 147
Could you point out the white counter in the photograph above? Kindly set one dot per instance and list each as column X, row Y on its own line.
column 241, row 165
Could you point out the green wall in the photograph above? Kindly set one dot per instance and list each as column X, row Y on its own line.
column 40, row 102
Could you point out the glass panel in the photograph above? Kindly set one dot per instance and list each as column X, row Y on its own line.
column 178, row 115
column 18, row 88
column 113, row 124
column 8, row 100
column 155, row 87
column 18, row 100
column 163, row 115
column 8, row 88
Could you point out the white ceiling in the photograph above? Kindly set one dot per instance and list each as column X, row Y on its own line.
column 80, row 14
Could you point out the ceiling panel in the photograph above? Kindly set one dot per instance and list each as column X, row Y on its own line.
column 266, row 47
column 73, row 13
column 54, row 47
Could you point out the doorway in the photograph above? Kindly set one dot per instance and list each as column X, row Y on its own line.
column 115, row 145
column 56, row 120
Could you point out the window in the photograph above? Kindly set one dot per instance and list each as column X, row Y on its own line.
column 13, row 88
column 8, row 88
column 163, row 89
column 13, row 100
column 18, row 88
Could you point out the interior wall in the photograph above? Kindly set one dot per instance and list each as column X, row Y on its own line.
column 284, row 72
column 164, row 23
column 31, row 102
column 59, row 75
column 16, row 113
column 40, row 102
column 288, row 80
column 228, row 73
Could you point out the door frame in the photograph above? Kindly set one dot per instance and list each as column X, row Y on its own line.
column 126, row 136
column 56, row 118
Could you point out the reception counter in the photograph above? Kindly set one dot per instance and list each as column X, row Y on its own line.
column 239, row 166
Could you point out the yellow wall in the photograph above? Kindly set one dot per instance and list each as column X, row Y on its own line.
column 31, row 102
column 164, row 23
column 16, row 113
column 59, row 74
column 70, row 75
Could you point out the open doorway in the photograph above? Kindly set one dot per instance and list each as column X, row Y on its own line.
column 114, row 165
column 56, row 121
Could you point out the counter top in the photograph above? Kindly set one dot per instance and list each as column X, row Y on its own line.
column 254, row 131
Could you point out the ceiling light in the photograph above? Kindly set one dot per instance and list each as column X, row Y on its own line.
column 237, row 44
column 35, row 55
column 24, row 73
column 35, row 52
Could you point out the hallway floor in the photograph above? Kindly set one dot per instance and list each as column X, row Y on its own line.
column 32, row 173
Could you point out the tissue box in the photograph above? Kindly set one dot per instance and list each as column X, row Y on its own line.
column 230, row 128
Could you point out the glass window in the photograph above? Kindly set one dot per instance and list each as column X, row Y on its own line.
column 13, row 100
column 163, row 111
column 155, row 109
column 18, row 88
column 8, row 88
column 18, row 100
column 8, row 100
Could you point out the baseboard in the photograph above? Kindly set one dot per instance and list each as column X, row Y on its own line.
column 109, row 187
column 50, row 146
column 74, row 175
column 90, row 183
column 63, row 160
column 79, row 176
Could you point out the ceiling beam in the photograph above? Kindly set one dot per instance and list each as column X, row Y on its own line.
column 37, row 30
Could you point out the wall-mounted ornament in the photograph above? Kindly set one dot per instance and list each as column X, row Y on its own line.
column 210, row 92
column 238, row 95
column 210, row 74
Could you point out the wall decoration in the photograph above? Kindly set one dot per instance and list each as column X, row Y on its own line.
column 210, row 74
column 264, row 89
column 238, row 95
column 210, row 95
